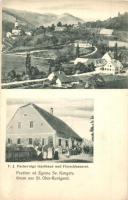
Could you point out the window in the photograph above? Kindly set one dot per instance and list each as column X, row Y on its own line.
column 72, row 143
column 9, row 141
column 66, row 142
column 30, row 140
column 31, row 124
column 19, row 124
column 42, row 141
column 59, row 142
column 18, row 141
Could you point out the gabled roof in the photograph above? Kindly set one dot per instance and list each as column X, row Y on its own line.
column 80, row 60
column 108, row 56
column 61, row 128
column 116, row 63
column 65, row 79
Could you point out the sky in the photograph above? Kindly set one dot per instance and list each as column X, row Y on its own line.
column 76, row 112
column 85, row 9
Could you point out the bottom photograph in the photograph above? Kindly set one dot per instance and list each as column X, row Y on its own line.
column 50, row 129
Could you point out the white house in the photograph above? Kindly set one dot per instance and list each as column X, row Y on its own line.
column 108, row 56
column 28, row 33
column 31, row 124
column 111, row 67
column 16, row 32
column 82, row 44
column 8, row 34
column 119, row 44
column 62, row 80
column 106, row 32
column 80, row 60
column 96, row 62
column 60, row 28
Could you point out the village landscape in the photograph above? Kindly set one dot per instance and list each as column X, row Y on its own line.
column 47, row 51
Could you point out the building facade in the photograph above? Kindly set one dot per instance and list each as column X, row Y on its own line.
column 112, row 65
column 32, row 125
column 82, row 44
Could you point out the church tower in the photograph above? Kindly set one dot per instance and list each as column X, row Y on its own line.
column 16, row 25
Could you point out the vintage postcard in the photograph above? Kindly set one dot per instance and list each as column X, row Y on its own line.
column 64, row 44
column 64, row 100
column 50, row 130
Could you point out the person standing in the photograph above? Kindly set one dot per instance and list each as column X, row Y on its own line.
column 56, row 155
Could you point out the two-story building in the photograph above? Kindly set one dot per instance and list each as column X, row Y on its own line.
column 112, row 66
column 31, row 124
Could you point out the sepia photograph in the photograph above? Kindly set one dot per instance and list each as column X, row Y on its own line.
column 71, row 44
column 57, row 129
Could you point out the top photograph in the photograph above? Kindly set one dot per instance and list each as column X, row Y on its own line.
column 71, row 44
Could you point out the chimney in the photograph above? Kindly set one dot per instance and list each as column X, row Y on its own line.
column 51, row 111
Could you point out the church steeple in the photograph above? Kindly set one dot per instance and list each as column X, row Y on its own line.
column 16, row 25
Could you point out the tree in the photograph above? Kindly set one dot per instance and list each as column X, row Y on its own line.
column 11, row 75
column 34, row 71
column 59, row 24
column 92, row 127
column 52, row 27
column 77, row 51
column 54, row 40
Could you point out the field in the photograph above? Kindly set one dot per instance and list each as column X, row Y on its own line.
column 17, row 63
column 38, row 58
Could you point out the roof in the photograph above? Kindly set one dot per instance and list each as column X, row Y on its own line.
column 105, row 31
column 59, row 28
column 116, row 63
column 80, row 60
column 65, row 79
column 61, row 128
column 108, row 56
column 119, row 43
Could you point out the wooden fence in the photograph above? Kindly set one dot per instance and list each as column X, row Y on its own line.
column 18, row 156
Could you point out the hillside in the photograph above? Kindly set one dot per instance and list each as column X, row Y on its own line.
column 32, row 20
column 118, row 23
column 68, row 19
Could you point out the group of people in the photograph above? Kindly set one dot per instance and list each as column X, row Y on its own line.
column 47, row 152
